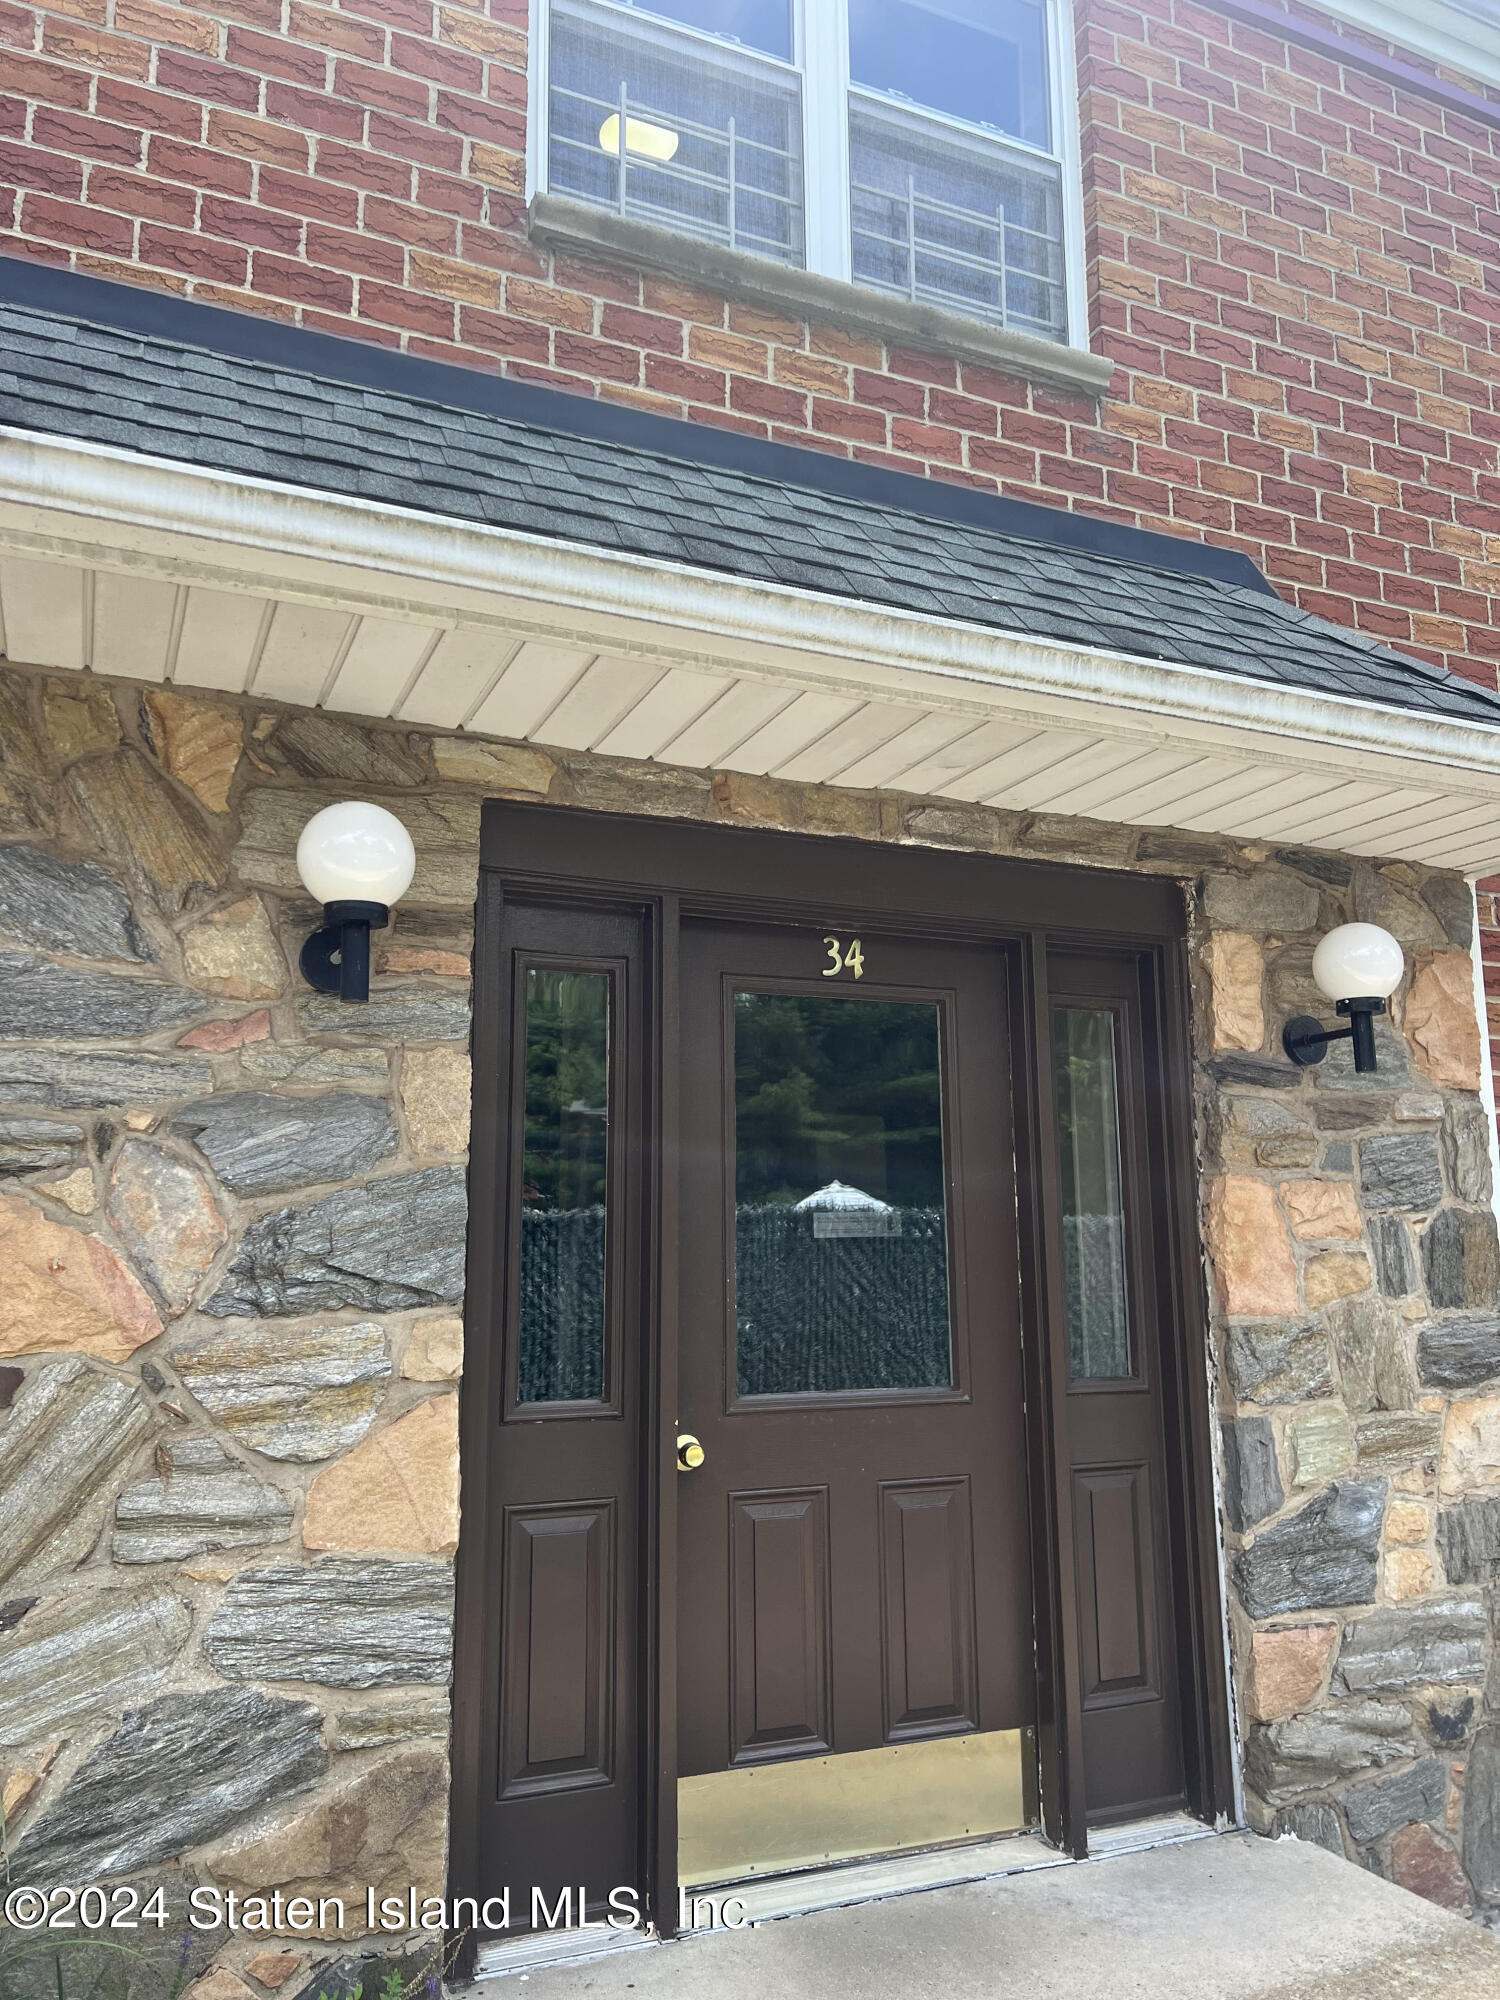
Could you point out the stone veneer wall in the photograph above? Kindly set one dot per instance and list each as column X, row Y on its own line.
column 232, row 1239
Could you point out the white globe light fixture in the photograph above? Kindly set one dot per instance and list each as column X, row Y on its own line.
column 356, row 859
column 1359, row 967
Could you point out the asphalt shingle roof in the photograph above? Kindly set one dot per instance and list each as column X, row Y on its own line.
column 67, row 376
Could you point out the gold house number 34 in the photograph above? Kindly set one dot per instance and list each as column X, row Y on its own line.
column 842, row 959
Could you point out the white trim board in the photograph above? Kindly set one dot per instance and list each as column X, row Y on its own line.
column 1486, row 1055
column 1462, row 35
column 1070, row 728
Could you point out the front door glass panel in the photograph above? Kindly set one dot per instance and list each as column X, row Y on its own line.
column 841, row 1226
column 564, row 1181
column 1093, row 1211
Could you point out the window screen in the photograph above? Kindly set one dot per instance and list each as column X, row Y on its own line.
column 972, row 228
column 663, row 129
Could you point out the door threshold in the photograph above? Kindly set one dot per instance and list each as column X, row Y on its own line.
column 503, row 1956
column 1134, row 1836
column 937, row 1868
column 764, row 1901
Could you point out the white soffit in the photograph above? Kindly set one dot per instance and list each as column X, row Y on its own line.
column 164, row 572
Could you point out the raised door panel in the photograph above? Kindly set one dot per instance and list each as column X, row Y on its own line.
column 927, row 1601
column 1116, row 1586
column 555, row 1696
column 779, row 1625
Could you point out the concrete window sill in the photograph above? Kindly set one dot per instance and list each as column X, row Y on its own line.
column 574, row 225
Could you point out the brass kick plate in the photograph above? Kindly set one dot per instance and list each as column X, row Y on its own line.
column 768, row 1819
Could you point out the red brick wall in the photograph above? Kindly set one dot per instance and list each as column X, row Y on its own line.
column 1288, row 260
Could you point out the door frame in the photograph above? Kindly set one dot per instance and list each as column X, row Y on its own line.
column 664, row 869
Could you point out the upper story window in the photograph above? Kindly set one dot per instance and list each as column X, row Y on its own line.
column 922, row 148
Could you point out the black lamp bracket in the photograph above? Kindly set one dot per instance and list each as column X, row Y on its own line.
column 336, row 959
column 1306, row 1041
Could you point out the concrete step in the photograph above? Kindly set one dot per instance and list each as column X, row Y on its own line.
column 1226, row 1918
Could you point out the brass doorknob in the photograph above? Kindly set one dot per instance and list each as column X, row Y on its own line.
column 690, row 1453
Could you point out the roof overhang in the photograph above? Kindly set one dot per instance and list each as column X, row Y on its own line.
column 162, row 571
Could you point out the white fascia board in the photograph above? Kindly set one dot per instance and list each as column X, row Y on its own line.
column 1486, row 1055
column 1462, row 37
column 93, row 503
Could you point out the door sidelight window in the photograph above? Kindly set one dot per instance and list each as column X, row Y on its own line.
column 1093, row 1213
column 564, row 1186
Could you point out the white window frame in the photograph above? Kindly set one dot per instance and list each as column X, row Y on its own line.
column 820, row 50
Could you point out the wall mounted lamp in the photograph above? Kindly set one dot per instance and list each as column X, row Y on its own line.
column 1359, row 967
column 356, row 859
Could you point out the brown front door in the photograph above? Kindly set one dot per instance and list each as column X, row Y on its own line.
column 899, row 1223
column 853, row 1557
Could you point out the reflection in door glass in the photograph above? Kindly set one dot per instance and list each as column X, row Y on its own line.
column 1088, row 1122
column 563, row 1186
column 841, row 1244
